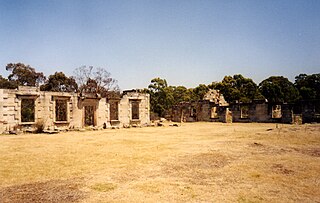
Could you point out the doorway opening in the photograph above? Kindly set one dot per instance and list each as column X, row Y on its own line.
column 89, row 115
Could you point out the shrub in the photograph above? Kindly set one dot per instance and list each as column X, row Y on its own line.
column 39, row 126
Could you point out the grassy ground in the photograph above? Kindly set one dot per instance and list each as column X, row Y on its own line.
column 210, row 162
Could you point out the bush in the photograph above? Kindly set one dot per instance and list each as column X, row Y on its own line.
column 39, row 126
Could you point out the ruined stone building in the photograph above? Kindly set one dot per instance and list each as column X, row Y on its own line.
column 262, row 111
column 26, row 107
column 214, row 108
column 308, row 110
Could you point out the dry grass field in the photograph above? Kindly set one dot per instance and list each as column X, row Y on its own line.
column 196, row 162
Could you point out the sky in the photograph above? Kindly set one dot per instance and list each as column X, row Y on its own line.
column 186, row 42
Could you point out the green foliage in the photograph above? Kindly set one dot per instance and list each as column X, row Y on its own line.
column 198, row 92
column 237, row 88
column 181, row 94
column 59, row 82
column 24, row 75
column 279, row 89
column 61, row 109
column 308, row 86
column 6, row 84
column 86, row 80
column 161, row 96
column 27, row 110
column 157, row 84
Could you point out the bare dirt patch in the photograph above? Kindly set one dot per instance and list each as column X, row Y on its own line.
column 279, row 168
column 315, row 152
column 196, row 168
column 268, row 149
column 47, row 192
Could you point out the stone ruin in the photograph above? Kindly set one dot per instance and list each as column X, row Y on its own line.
column 214, row 108
column 25, row 108
column 216, row 97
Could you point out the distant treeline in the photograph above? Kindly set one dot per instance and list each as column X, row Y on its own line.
column 86, row 79
column 235, row 88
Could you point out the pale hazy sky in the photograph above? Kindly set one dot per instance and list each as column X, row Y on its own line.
column 186, row 42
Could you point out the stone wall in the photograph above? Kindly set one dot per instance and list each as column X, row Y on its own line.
column 204, row 110
column 125, row 115
column 262, row 111
column 310, row 111
column 256, row 111
column 74, row 105
column 212, row 108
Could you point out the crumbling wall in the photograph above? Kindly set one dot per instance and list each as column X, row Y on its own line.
column 8, row 110
column 204, row 111
column 48, row 104
column 215, row 111
column 125, row 109
column 287, row 114
column 44, row 109
column 102, row 112
column 257, row 111
column 310, row 111
column 262, row 111
column 215, row 97
column 213, row 103
column 198, row 111
column 2, row 121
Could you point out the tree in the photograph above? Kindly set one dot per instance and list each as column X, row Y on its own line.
column 59, row 82
column 97, row 80
column 237, row 88
column 157, row 85
column 228, row 88
column 161, row 96
column 6, row 84
column 181, row 94
column 308, row 86
column 279, row 89
column 198, row 92
column 24, row 75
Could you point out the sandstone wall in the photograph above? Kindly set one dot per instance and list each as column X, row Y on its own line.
column 45, row 110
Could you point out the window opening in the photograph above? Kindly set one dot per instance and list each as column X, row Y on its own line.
column 88, row 115
column 244, row 111
column 61, row 110
column 214, row 113
column 317, row 107
column 135, row 109
column 276, row 111
column 27, row 110
column 114, row 110
column 193, row 112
